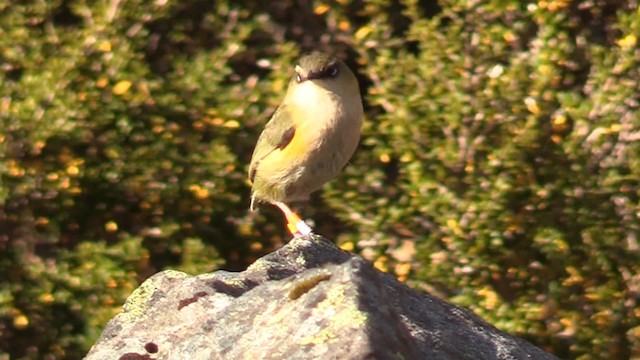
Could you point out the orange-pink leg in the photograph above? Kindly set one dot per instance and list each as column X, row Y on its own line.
column 295, row 224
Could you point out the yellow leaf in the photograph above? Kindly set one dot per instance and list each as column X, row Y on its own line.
column 102, row 82
column 104, row 46
column 628, row 41
column 232, row 124
column 381, row 264
column 121, row 87
column 111, row 226
column 73, row 170
column 46, row 298
column 532, row 105
column 344, row 25
column 402, row 269
column 21, row 321
column 362, row 32
column 321, row 9
column 348, row 246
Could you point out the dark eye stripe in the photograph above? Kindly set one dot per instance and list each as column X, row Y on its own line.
column 329, row 71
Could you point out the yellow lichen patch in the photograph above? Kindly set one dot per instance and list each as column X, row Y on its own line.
column 322, row 337
column 341, row 312
column 303, row 286
column 136, row 305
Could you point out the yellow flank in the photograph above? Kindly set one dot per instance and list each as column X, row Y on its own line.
column 280, row 161
column 299, row 145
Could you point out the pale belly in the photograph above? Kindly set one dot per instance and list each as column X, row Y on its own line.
column 326, row 163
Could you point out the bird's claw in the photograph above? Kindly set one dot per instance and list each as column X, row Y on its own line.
column 299, row 228
column 296, row 226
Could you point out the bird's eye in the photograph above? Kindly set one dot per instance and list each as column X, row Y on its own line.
column 298, row 78
column 334, row 71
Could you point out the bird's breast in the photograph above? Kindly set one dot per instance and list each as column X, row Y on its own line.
column 327, row 131
column 321, row 115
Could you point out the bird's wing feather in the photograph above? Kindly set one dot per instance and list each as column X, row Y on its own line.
column 277, row 134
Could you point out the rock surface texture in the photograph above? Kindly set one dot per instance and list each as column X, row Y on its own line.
column 308, row 300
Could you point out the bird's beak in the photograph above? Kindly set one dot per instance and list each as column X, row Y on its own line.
column 301, row 73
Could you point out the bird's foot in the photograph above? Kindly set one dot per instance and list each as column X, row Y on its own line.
column 298, row 228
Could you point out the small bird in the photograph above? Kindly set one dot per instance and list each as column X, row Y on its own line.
column 310, row 137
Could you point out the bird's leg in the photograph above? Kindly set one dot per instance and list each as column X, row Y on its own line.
column 295, row 224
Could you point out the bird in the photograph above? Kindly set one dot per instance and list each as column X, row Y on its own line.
column 310, row 137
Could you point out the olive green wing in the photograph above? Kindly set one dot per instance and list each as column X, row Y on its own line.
column 277, row 134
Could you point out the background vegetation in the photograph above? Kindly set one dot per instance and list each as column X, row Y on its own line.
column 499, row 167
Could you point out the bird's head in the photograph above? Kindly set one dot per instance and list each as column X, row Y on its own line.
column 324, row 70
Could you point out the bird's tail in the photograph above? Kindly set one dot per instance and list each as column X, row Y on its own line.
column 252, row 207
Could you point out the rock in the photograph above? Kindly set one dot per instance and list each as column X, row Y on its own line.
column 308, row 300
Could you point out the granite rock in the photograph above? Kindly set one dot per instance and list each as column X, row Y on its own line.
column 307, row 300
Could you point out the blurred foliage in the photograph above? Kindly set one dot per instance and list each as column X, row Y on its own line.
column 499, row 167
